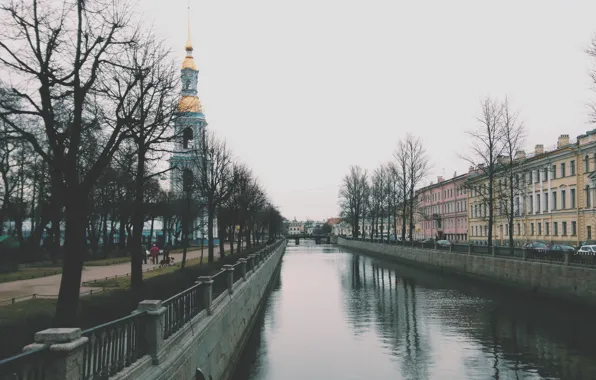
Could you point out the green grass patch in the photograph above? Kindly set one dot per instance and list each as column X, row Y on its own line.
column 29, row 273
column 19, row 322
column 106, row 262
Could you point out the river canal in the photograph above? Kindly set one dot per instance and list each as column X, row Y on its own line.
column 336, row 314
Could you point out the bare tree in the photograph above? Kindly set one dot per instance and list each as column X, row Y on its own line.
column 401, row 168
column 510, row 187
column 418, row 167
column 154, row 81
column 213, row 164
column 487, row 148
column 352, row 197
column 55, row 55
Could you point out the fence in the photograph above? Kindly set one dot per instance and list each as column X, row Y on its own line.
column 30, row 365
column 519, row 253
column 114, row 346
column 109, row 348
column 13, row 300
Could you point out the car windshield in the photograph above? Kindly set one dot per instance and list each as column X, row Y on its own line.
column 539, row 245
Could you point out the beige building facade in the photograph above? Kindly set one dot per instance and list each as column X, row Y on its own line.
column 554, row 201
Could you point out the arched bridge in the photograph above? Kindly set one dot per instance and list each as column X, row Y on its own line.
column 318, row 238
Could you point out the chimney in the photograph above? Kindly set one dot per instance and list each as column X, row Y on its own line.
column 563, row 141
column 439, row 179
column 539, row 149
column 520, row 155
column 471, row 169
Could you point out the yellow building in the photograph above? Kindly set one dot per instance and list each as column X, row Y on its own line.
column 554, row 202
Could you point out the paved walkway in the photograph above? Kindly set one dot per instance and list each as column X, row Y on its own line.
column 50, row 285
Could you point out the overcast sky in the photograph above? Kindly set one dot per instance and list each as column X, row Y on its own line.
column 301, row 90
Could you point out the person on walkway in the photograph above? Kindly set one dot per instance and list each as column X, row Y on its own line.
column 144, row 251
column 154, row 253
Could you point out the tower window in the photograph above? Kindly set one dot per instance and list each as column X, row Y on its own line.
column 187, row 84
column 187, row 180
column 186, row 137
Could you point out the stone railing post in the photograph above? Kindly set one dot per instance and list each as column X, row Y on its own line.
column 492, row 250
column 66, row 350
column 435, row 245
column 524, row 258
column 450, row 247
column 156, row 315
column 230, row 270
column 243, row 268
column 469, row 249
column 257, row 258
column 207, row 293
column 251, row 262
column 566, row 258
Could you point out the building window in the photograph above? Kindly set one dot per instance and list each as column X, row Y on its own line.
column 573, row 228
column 556, row 228
column 572, row 196
column 544, row 174
column 546, row 228
column 586, row 163
column 539, row 228
column 545, row 201
column 564, row 228
column 187, row 180
column 572, row 167
column 186, row 137
column 538, row 203
column 563, row 170
column 554, row 171
column 554, row 200
column 532, row 229
column 531, row 206
column 187, row 84
column 588, row 200
column 563, row 199
column 589, row 232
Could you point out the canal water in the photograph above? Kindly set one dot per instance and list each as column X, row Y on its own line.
column 337, row 314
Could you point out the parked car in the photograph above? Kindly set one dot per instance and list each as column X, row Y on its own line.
column 562, row 248
column 588, row 250
column 443, row 243
column 536, row 247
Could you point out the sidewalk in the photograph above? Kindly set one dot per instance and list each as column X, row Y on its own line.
column 49, row 286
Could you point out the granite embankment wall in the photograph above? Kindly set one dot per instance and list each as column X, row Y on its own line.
column 215, row 342
column 569, row 283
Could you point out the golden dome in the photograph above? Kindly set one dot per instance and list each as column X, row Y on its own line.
column 189, row 63
column 189, row 104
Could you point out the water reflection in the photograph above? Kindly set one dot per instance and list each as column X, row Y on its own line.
column 342, row 315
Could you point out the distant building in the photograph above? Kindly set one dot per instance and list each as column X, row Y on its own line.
column 443, row 209
column 295, row 227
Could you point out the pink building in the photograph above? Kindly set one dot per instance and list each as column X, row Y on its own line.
column 443, row 209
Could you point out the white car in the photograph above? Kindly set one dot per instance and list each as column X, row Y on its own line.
column 587, row 250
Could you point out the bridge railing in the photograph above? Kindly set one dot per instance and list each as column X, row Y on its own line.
column 105, row 350
column 519, row 253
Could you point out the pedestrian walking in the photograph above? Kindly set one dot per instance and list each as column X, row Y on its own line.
column 154, row 253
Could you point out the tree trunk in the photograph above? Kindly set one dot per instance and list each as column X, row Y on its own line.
column 151, row 240
column 221, row 228
column 240, row 232
column 210, row 220
column 138, row 220
column 74, row 246
column 231, row 238
column 122, row 234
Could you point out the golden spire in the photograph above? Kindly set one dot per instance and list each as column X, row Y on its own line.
column 188, row 46
column 189, row 62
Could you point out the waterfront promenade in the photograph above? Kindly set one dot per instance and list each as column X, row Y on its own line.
column 49, row 286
